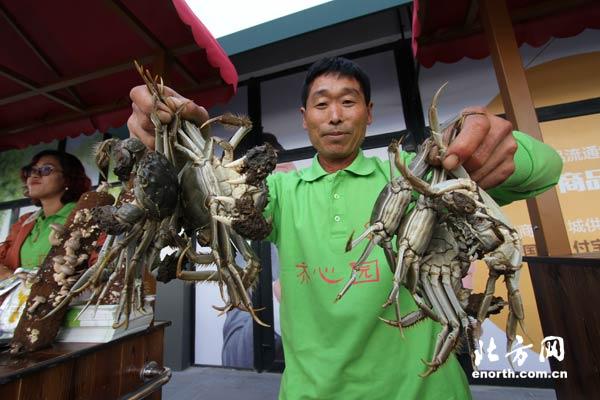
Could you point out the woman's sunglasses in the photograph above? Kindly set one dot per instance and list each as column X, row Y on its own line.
column 44, row 170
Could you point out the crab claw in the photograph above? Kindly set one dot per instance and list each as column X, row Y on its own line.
column 250, row 222
column 259, row 162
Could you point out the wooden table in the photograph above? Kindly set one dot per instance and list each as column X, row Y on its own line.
column 84, row 370
column 567, row 292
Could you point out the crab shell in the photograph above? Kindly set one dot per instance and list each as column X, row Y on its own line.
column 194, row 196
column 155, row 185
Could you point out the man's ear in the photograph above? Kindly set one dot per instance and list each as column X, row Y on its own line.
column 302, row 111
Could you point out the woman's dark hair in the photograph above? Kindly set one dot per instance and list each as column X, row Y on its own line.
column 76, row 180
column 337, row 66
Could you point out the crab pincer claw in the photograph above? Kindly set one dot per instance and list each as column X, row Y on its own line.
column 258, row 162
column 250, row 223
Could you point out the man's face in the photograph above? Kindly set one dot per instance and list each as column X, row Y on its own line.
column 336, row 116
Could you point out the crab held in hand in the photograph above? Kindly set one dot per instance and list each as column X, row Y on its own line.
column 222, row 200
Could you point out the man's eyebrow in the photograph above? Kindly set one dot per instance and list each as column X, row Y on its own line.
column 325, row 92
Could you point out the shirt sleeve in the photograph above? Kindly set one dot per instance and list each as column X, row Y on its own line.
column 5, row 246
column 10, row 239
column 537, row 169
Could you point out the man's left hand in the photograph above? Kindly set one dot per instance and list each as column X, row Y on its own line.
column 485, row 147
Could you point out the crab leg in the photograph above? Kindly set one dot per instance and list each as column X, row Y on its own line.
column 233, row 270
column 194, row 133
column 449, row 336
column 252, row 269
column 194, row 275
column 408, row 320
column 385, row 220
column 131, row 266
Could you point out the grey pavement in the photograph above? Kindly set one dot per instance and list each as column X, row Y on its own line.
column 208, row 383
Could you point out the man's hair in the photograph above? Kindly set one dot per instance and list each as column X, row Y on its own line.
column 339, row 66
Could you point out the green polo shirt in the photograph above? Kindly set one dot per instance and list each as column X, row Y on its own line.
column 342, row 350
column 37, row 245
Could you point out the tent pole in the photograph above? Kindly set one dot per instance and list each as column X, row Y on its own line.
column 544, row 210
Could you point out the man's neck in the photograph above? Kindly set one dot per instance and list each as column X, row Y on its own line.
column 334, row 165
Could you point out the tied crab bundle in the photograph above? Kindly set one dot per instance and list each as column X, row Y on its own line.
column 453, row 223
column 180, row 195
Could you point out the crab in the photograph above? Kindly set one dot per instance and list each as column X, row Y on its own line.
column 155, row 186
column 131, row 225
column 387, row 213
column 182, row 195
column 222, row 201
column 453, row 223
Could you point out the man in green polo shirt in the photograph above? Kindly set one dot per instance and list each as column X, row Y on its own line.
column 343, row 351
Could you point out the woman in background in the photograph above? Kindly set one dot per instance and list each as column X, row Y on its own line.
column 54, row 181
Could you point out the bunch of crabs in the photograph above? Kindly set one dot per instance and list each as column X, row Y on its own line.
column 192, row 191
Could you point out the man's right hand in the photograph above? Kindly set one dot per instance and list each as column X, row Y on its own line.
column 139, row 123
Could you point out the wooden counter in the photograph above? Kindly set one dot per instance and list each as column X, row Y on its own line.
column 83, row 370
column 567, row 292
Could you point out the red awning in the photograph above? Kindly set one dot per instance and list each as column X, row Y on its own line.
column 448, row 31
column 66, row 66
